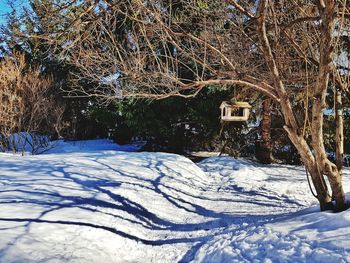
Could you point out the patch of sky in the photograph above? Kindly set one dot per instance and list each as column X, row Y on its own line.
column 6, row 7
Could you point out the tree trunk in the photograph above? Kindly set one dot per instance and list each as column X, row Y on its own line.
column 325, row 166
column 265, row 149
column 315, row 158
column 322, row 193
column 339, row 133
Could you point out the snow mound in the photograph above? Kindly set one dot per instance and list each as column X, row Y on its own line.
column 105, row 205
column 303, row 236
column 89, row 202
column 306, row 236
column 280, row 182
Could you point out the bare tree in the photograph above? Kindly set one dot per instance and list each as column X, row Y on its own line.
column 286, row 50
column 28, row 112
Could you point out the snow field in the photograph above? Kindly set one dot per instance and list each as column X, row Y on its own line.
column 89, row 202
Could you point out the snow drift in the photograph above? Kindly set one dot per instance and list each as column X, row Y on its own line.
column 90, row 203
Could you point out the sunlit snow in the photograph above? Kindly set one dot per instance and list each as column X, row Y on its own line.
column 95, row 202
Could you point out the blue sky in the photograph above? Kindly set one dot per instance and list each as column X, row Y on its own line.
column 3, row 9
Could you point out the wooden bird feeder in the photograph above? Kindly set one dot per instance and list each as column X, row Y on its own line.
column 235, row 111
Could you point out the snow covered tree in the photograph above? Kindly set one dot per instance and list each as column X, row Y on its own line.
column 286, row 50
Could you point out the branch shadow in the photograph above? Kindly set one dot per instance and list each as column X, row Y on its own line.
column 92, row 183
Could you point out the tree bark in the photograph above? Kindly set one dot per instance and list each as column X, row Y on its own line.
column 319, row 104
column 316, row 161
column 322, row 193
column 265, row 149
column 339, row 133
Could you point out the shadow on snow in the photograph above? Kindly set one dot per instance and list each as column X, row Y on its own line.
column 49, row 178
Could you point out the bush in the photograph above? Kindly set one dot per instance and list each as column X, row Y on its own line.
column 27, row 107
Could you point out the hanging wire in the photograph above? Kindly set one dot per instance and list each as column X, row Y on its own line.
column 234, row 98
column 223, row 123
column 305, row 122
column 222, row 128
column 304, row 130
column 306, row 97
column 309, row 183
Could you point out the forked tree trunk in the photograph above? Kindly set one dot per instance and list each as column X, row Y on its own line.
column 314, row 169
column 322, row 193
column 317, row 162
column 314, row 156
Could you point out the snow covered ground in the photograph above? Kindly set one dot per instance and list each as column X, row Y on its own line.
column 91, row 202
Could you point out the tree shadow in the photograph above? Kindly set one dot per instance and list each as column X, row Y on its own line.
column 100, row 183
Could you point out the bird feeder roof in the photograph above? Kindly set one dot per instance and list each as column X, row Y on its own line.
column 237, row 104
